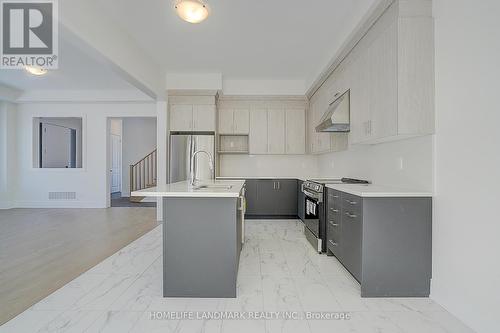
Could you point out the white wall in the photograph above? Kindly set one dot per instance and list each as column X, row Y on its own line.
column 8, row 170
column 138, row 140
column 466, row 226
column 293, row 166
column 161, row 154
column 90, row 183
column 381, row 163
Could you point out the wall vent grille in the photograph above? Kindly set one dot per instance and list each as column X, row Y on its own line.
column 62, row 195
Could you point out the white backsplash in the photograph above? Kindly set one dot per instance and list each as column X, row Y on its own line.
column 406, row 163
column 293, row 166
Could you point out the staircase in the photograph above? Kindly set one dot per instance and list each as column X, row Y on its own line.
column 143, row 175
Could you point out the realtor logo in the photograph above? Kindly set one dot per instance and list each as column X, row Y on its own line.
column 29, row 33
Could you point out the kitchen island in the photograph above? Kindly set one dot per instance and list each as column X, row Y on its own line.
column 202, row 237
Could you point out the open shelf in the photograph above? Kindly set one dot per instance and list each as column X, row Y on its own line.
column 233, row 144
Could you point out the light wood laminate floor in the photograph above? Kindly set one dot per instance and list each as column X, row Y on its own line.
column 41, row 250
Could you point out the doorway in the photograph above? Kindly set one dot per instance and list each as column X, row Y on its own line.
column 115, row 154
column 131, row 160
column 116, row 163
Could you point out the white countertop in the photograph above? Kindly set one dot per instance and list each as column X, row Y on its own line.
column 378, row 191
column 184, row 190
column 262, row 177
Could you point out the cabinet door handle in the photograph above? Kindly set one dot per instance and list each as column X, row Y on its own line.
column 351, row 202
column 334, row 210
column 278, row 185
column 335, row 196
column 332, row 242
column 333, row 224
column 351, row 215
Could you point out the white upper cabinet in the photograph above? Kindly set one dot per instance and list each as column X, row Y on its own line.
column 390, row 76
column 192, row 117
column 276, row 131
column 274, row 125
column 204, row 118
column 234, row 121
column 226, row 121
column 241, row 121
column 258, row 132
column 295, row 136
column 181, row 117
column 359, row 99
column 383, row 97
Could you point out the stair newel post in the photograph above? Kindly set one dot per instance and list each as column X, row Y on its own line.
column 131, row 176
column 143, row 174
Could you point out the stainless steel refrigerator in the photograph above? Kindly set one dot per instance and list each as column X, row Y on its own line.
column 182, row 147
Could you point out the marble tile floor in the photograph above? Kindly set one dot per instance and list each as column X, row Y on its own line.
column 279, row 271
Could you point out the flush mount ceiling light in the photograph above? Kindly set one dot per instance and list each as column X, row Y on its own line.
column 35, row 70
column 192, row 11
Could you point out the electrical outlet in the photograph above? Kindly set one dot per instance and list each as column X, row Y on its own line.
column 401, row 163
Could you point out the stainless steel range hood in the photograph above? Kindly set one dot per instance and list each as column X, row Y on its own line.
column 337, row 116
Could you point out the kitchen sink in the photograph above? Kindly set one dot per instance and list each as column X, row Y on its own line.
column 212, row 187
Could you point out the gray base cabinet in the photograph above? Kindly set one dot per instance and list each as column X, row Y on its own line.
column 385, row 243
column 271, row 198
column 201, row 247
column 251, row 197
column 301, row 201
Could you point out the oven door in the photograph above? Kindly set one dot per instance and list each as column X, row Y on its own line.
column 312, row 215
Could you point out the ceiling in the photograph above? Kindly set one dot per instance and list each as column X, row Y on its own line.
column 243, row 39
column 77, row 71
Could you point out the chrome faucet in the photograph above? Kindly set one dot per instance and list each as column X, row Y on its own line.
column 192, row 172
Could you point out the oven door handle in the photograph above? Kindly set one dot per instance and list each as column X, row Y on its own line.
column 312, row 195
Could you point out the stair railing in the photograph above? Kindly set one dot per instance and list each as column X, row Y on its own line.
column 143, row 173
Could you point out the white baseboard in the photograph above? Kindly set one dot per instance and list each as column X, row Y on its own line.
column 59, row 204
column 6, row 205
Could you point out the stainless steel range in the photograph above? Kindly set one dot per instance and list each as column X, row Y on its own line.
column 315, row 200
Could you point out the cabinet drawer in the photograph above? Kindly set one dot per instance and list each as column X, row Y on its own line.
column 351, row 216
column 334, row 206
column 351, row 242
column 334, row 246
column 333, row 230
column 334, row 198
column 351, row 203
column 333, row 213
